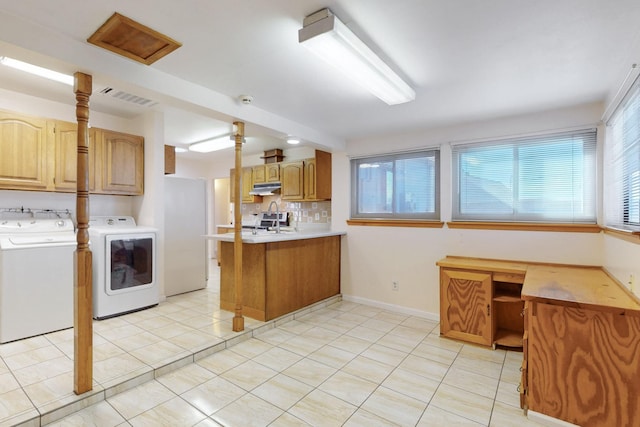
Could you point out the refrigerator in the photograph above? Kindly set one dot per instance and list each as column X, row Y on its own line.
column 185, row 210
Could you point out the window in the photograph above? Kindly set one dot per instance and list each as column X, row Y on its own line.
column 622, row 171
column 549, row 178
column 396, row 186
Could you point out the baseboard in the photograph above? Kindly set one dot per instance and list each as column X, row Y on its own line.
column 392, row 307
column 546, row 420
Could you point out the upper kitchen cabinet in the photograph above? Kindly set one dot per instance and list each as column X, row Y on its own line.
column 307, row 180
column 266, row 173
column 292, row 176
column 23, row 152
column 272, row 172
column 119, row 163
column 259, row 174
column 317, row 177
column 66, row 155
column 246, row 185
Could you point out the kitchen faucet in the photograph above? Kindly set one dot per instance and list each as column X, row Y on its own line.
column 273, row 202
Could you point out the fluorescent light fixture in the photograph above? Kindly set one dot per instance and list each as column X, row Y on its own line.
column 293, row 140
column 326, row 36
column 213, row 144
column 38, row 71
column 181, row 149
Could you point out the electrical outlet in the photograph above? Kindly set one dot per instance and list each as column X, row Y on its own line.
column 317, row 216
column 632, row 283
column 395, row 285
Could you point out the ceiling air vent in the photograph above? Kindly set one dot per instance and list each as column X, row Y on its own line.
column 128, row 97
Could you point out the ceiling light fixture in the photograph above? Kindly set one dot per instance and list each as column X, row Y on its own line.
column 293, row 140
column 213, row 144
column 38, row 71
column 180, row 149
column 326, row 36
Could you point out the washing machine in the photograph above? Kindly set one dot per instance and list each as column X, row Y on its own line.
column 36, row 276
column 124, row 266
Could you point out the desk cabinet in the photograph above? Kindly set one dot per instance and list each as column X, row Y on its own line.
column 582, row 349
column 480, row 301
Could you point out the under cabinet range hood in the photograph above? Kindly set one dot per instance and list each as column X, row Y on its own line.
column 265, row 189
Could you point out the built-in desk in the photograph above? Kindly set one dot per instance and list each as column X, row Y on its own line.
column 580, row 333
column 581, row 347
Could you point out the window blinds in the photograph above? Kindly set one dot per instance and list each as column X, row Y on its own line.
column 549, row 178
column 622, row 164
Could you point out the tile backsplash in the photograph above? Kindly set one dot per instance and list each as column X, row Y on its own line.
column 303, row 212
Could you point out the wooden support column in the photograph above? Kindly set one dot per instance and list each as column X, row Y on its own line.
column 82, row 289
column 238, row 320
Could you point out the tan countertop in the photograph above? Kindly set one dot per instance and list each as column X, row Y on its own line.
column 567, row 285
column 584, row 287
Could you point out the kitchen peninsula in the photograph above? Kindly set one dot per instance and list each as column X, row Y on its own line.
column 281, row 272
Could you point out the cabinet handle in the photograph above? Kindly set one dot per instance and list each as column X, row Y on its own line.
column 488, row 310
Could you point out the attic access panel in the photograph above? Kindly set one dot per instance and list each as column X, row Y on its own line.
column 133, row 40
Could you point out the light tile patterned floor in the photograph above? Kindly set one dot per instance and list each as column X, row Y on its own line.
column 344, row 364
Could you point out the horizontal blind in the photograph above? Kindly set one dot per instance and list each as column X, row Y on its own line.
column 548, row 178
column 396, row 186
column 622, row 164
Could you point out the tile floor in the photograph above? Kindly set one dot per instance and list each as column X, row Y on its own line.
column 340, row 363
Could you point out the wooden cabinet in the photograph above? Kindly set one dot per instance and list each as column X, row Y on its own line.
column 41, row 154
column 317, row 177
column 169, row 159
column 66, row 157
column 480, row 301
column 307, row 180
column 120, row 159
column 258, row 174
column 24, row 144
column 272, row 171
column 465, row 305
column 247, row 185
column 582, row 339
column 292, row 176
column 272, row 284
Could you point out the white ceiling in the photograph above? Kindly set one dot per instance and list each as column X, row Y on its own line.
column 467, row 60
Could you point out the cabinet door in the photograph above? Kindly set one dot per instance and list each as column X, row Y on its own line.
column 247, row 185
column 310, row 179
column 23, row 152
column 292, row 175
column 259, row 175
column 465, row 306
column 273, row 172
column 66, row 148
column 122, row 163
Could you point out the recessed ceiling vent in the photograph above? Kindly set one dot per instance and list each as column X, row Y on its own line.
column 128, row 97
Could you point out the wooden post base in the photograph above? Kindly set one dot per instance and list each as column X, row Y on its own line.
column 238, row 324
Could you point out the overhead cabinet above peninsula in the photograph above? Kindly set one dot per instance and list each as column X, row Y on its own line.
column 302, row 180
column 41, row 155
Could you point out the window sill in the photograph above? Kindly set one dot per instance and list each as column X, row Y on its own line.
column 628, row 235
column 395, row 223
column 526, row 226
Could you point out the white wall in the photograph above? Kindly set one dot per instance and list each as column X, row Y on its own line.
column 622, row 260
column 373, row 257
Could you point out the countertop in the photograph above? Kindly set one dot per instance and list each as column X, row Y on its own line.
column 584, row 287
column 269, row 237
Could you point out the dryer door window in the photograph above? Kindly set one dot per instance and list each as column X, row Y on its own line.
column 131, row 264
